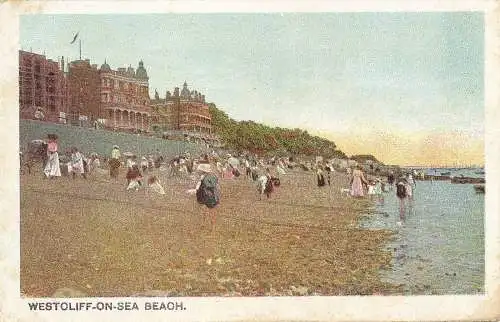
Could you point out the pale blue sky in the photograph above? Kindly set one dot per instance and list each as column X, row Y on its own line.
column 334, row 72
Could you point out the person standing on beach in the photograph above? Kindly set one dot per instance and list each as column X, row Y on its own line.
column 409, row 185
column 248, row 170
column 412, row 181
column 208, row 192
column 265, row 184
column 401, row 193
column 94, row 163
column 328, row 170
column 114, row 162
column 320, row 177
column 378, row 190
column 357, row 181
column 76, row 166
column 52, row 168
column 390, row 179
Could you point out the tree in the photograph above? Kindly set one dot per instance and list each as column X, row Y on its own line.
column 263, row 139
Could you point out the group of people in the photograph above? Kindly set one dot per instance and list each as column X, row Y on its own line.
column 78, row 164
column 404, row 186
column 208, row 189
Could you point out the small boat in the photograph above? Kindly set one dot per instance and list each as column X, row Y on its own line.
column 479, row 172
column 480, row 188
column 445, row 173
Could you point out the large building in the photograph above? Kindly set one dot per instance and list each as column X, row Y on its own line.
column 124, row 96
column 116, row 99
column 184, row 113
column 84, row 86
column 43, row 90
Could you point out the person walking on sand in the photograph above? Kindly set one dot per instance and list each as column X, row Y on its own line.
column 320, row 176
column 114, row 162
column 208, row 192
column 265, row 184
column 390, row 179
column 401, row 193
column 328, row 170
column 357, row 181
column 248, row 171
column 76, row 166
column 52, row 168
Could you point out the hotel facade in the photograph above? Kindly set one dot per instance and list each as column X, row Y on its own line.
column 124, row 97
column 43, row 88
column 86, row 95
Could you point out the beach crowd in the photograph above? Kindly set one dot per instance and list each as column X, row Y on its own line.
column 207, row 170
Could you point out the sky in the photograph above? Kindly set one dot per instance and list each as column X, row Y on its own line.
column 405, row 87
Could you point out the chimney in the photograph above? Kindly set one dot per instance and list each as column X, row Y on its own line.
column 62, row 64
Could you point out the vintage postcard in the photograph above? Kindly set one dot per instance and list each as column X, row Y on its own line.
column 228, row 161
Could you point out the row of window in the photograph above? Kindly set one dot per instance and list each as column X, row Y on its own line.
column 121, row 85
column 120, row 99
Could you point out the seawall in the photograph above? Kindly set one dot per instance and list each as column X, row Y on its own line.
column 89, row 140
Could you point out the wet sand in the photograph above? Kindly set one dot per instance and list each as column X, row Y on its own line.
column 93, row 237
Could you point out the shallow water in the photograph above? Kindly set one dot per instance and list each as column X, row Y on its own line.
column 439, row 247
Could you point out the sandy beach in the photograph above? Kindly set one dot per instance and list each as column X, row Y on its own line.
column 93, row 237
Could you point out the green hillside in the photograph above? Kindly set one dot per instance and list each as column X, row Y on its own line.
column 262, row 139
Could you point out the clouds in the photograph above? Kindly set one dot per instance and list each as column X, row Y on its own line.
column 388, row 72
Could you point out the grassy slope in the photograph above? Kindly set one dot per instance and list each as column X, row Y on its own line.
column 100, row 141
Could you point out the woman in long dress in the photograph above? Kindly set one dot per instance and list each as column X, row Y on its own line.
column 358, row 179
column 114, row 162
column 52, row 168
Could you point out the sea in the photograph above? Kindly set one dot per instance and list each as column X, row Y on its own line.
column 438, row 248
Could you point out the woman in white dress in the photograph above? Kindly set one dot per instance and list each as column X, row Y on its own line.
column 52, row 168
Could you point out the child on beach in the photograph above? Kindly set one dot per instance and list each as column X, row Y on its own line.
column 377, row 190
column 155, row 186
column 134, row 178
column 76, row 164
column 371, row 189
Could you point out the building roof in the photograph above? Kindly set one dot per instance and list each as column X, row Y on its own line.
column 141, row 71
column 105, row 67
